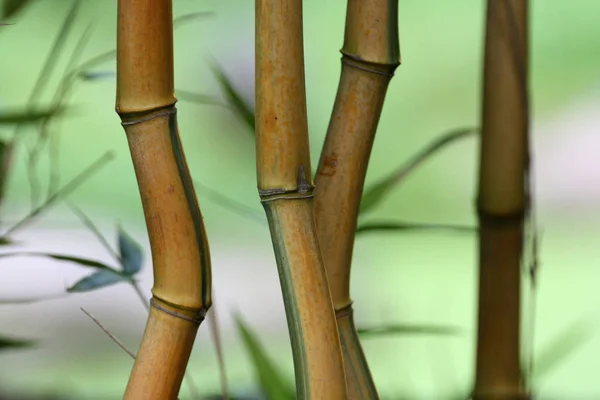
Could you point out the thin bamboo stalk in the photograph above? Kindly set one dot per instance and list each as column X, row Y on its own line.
column 502, row 200
column 285, row 187
column 370, row 56
column 181, row 294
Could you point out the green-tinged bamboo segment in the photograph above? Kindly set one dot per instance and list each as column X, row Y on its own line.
column 370, row 56
column 502, row 200
column 285, row 187
column 181, row 294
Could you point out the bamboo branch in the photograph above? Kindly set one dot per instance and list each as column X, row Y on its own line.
column 502, row 200
column 285, row 187
column 370, row 56
column 181, row 294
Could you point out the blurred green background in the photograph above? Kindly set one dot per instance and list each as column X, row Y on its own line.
column 397, row 278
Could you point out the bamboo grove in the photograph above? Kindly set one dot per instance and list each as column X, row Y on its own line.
column 313, row 219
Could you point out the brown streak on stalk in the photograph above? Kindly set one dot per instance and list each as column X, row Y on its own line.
column 180, row 254
column 285, row 187
column 370, row 56
column 502, row 201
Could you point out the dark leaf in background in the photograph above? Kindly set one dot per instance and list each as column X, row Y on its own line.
column 98, row 280
column 239, row 105
column 4, row 241
column 271, row 380
column 10, row 8
column 395, row 226
column 6, row 152
column 97, row 75
column 379, row 190
column 84, row 262
column 7, row 343
column 407, row 329
column 28, row 117
column 130, row 252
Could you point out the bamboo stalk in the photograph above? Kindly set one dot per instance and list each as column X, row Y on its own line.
column 145, row 102
column 370, row 56
column 502, row 200
column 285, row 188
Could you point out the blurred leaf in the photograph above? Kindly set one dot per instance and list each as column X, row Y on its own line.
column 561, row 347
column 84, row 262
column 198, row 98
column 66, row 189
column 374, row 227
column 32, row 299
column 271, row 380
column 98, row 280
column 406, row 329
column 240, row 107
column 96, row 75
column 232, row 205
column 4, row 241
column 7, row 343
column 28, row 117
column 11, row 7
column 378, row 191
column 130, row 253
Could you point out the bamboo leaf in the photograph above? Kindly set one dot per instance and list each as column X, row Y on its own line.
column 4, row 241
column 98, row 280
column 83, row 262
column 11, row 7
column 397, row 226
column 96, row 75
column 28, row 117
column 31, row 300
column 271, row 380
column 561, row 347
column 239, row 105
column 406, row 329
column 7, row 343
column 231, row 204
column 375, row 194
column 130, row 253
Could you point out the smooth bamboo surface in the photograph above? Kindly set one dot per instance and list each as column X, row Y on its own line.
column 285, row 187
column 502, row 200
column 370, row 56
column 181, row 294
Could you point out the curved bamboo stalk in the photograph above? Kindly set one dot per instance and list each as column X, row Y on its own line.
column 502, row 200
column 285, row 188
column 370, row 56
column 181, row 294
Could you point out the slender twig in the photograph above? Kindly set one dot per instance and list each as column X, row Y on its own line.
column 110, row 335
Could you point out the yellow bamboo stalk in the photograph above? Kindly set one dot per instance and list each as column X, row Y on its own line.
column 370, row 56
column 285, row 188
column 502, row 200
column 145, row 102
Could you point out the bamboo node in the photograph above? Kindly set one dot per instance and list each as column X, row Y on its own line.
column 357, row 62
column 199, row 317
column 500, row 221
column 143, row 116
column 344, row 311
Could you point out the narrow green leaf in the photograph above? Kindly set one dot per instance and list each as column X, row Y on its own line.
column 379, row 190
column 396, row 226
column 83, row 262
column 98, row 280
column 130, row 252
column 8, row 343
column 199, row 98
column 570, row 339
column 96, row 75
column 5, row 241
column 10, row 8
column 239, row 105
column 407, row 329
column 271, row 380
column 29, row 117
column 31, row 300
